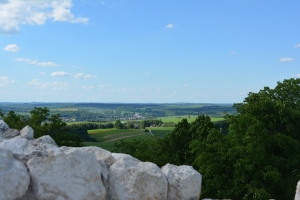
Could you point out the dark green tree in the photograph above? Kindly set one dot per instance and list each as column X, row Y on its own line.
column 118, row 124
column 264, row 143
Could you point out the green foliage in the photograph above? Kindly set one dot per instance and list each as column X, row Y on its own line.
column 43, row 124
column 118, row 124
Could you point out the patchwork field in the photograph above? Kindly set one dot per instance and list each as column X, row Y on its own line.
column 107, row 137
column 190, row 118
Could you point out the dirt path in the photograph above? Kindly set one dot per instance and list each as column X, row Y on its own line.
column 122, row 138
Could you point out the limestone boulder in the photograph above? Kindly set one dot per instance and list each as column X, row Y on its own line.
column 184, row 182
column 73, row 175
column 118, row 156
column 23, row 146
column 3, row 127
column 10, row 133
column 297, row 195
column 14, row 177
column 27, row 132
column 130, row 179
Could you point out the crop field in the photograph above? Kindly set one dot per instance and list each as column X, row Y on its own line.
column 107, row 137
column 190, row 118
column 160, row 131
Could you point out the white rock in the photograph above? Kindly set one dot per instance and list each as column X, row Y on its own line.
column 46, row 139
column 118, row 156
column 27, row 132
column 3, row 127
column 20, row 145
column 101, row 154
column 135, row 180
column 10, row 133
column 76, row 175
column 297, row 195
column 14, row 178
column 184, row 182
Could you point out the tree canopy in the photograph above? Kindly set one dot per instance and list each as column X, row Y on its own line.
column 253, row 155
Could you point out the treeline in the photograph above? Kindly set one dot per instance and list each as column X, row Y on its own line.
column 255, row 155
column 44, row 123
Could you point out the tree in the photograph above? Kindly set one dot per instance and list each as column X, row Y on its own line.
column 264, row 141
column 43, row 124
column 118, row 124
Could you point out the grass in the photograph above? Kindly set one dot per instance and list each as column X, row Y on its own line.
column 160, row 131
column 108, row 137
column 176, row 119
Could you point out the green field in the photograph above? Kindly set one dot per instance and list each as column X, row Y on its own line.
column 107, row 137
column 190, row 118
column 160, row 131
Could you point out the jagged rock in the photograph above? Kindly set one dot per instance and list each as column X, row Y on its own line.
column 10, row 133
column 27, row 132
column 3, row 127
column 14, row 178
column 73, row 175
column 297, row 195
column 184, row 182
column 136, row 180
column 65, row 173
column 23, row 146
column 118, row 156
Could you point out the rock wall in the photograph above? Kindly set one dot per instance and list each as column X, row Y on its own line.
column 37, row 169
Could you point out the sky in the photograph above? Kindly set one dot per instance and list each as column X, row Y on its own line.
column 151, row 51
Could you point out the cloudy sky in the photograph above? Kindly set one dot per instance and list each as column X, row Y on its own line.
column 134, row 51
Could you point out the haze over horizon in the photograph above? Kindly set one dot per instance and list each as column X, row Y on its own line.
column 145, row 51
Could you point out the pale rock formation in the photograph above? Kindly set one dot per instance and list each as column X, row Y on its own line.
column 14, row 178
column 27, row 132
column 37, row 169
column 73, row 175
column 118, row 156
column 10, row 133
column 178, row 178
column 3, row 127
column 297, row 196
column 136, row 180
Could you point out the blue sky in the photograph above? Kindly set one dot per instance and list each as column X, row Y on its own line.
column 145, row 51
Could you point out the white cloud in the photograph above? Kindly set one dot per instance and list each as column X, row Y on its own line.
column 170, row 26
column 12, row 48
column 16, row 12
column 175, row 92
column 186, row 85
column 81, row 75
column 62, row 73
column 232, row 53
column 88, row 87
column 297, row 46
column 42, row 73
column 5, row 81
column 35, row 62
column 147, row 73
column 53, row 86
column 286, row 59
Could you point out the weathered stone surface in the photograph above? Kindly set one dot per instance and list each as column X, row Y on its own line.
column 14, row 178
column 3, row 127
column 27, row 132
column 23, row 146
column 67, row 173
column 118, row 156
column 184, row 182
column 136, row 180
column 10, row 133
column 297, row 195
column 73, row 175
